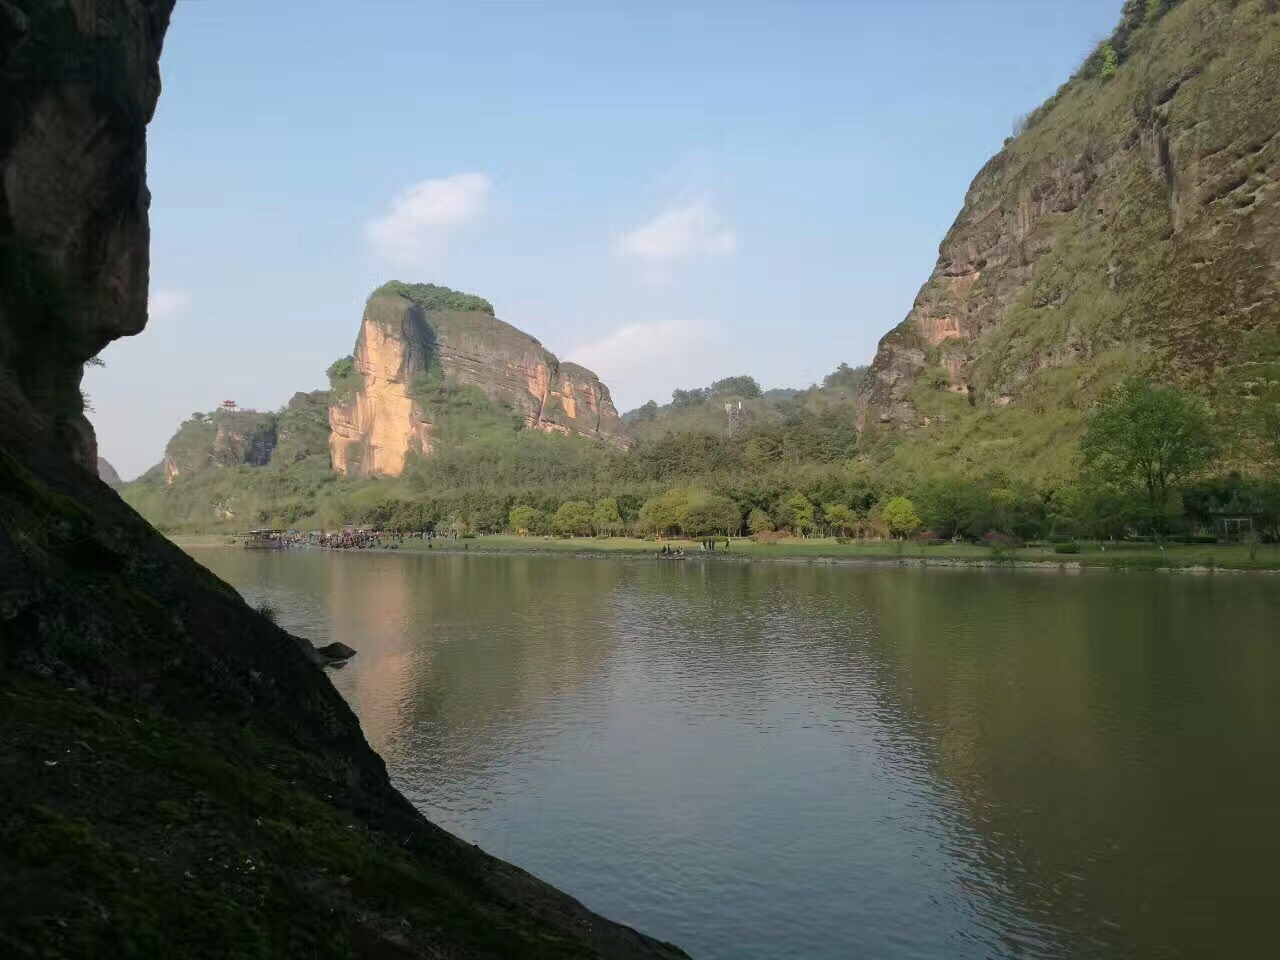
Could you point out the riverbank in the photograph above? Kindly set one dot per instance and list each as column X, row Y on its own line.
column 1194, row 558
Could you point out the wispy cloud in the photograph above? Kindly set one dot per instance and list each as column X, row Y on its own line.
column 679, row 233
column 642, row 361
column 418, row 224
column 165, row 304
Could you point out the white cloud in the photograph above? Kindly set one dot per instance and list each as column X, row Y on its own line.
column 679, row 233
column 643, row 361
column 166, row 304
column 418, row 225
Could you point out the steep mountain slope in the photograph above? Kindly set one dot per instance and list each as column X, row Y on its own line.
column 418, row 344
column 1132, row 226
column 178, row 777
column 108, row 475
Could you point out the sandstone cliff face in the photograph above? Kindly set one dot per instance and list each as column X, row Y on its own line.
column 377, row 422
column 1132, row 227
column 80, row 83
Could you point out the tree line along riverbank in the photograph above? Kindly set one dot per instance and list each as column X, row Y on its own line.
column 1117, row 555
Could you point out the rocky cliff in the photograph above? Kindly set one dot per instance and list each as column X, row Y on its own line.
column 180, row 778
column 80, row 83
column 1132, row 225
column 231, row 438
column 222, row 439
column 419, row 338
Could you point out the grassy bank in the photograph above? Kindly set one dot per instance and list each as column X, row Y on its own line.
column 1138, row 556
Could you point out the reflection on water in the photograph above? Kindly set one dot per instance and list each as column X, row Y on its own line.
column 776, row 761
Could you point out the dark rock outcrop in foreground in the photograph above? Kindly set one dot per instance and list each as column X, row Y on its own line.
column 178, row 778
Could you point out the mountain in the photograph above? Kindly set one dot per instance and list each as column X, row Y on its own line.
column 231, row 438
column 736, row 408
column 423, row 352
column 1130, row 227
column 181, row 778
column 107, row 474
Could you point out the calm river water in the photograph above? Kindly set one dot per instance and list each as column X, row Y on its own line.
column 791, row 761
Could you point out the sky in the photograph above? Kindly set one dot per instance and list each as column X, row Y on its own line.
column 666, row 192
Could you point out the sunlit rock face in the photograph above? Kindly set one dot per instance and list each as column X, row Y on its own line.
column 78, row 84
column 1130, row 226
column 378, row 422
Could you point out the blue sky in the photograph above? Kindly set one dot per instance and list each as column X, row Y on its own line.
column 667, row 192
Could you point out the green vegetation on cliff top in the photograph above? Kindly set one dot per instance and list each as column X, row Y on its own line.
column 432, row 297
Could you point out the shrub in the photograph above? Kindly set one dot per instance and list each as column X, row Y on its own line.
column 1066, row 548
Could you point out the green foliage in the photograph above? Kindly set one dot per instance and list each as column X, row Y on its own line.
column 523, row 518
column 665, row 514
column 711, row 514
column 461, row 413
column 431, row 297
column 797, row 513
column 758, row 521
column 345, row 381
column 844, row 378
column 605, row 516
column 741, row 387
column 1148, row 437
column 900, row 515
column 1110, row 63
column 573, row 517
column 839, row 517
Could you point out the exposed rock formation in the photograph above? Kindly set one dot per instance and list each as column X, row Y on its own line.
column 1132, row 226
column 180, row 777
column 221, row 439
column 73, row 198
column 376, row 418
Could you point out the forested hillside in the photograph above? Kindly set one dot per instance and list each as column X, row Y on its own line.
column 1120, row 253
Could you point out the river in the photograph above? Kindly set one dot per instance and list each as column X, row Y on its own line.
column 781, row 761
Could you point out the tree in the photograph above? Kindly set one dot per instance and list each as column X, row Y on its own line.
column 573, row 517
column 946, row 505
column 1110, row 62
column 758, row 521
column 841, row 518
column 714, row 514
column 800, row 513
column 1266, row 418
column 605, row 517
column 664, row 514
column 522, row 518
column 900, row 516
column 1148, row 437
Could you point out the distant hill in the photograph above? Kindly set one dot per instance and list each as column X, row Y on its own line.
column 107, row 473
column 738, row 405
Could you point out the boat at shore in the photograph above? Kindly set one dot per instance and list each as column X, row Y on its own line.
column 264, row 540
